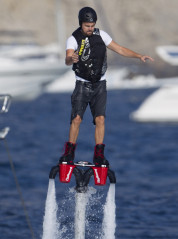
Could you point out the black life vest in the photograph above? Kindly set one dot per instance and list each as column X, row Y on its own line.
column 92, row 63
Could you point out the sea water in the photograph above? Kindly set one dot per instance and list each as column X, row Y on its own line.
column 143, row 157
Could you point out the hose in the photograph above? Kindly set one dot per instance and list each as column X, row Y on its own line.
column 19, row 190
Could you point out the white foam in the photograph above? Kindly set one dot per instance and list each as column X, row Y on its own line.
column 81, row 201
column 51, row 225
column 50, row 222
column 80, row 208
column 109, row 220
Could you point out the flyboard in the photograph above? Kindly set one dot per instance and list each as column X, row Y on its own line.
column 83, row 171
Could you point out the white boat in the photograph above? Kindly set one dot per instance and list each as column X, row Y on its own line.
column 24, row 70
column 161, row 106
column 30, row 59
column 168, row 53
column 116, row 79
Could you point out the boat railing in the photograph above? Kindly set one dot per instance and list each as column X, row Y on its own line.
column 5, row 101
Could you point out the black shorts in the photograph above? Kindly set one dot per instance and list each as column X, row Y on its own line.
column 87, row 93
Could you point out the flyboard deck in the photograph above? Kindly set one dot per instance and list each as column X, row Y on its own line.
column 84, row 164
column 82, row 176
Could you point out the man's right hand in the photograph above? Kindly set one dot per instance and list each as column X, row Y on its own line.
column 75, row 57
column 71, row 57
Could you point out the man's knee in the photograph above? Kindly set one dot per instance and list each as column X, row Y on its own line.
column 99, row 120
column 77, row 120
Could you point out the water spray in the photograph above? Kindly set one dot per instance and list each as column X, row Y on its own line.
column 83, row 171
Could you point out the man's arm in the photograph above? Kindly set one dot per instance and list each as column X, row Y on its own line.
column 71, row 57
column 127, row 52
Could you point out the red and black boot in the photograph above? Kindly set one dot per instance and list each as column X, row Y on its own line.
column 69, row 153
column 99, row 158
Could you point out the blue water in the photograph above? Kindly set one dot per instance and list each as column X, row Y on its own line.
column 143, row 156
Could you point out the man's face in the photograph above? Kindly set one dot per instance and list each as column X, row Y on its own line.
column 88, row 28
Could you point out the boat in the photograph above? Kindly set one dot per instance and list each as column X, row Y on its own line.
column 168, row 53
column 160, row 106
column 116, row 79
column 25, row 69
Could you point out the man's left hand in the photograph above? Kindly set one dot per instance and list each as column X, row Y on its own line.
column 144, row 58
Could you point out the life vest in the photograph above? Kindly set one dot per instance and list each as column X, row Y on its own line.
column 92, row 63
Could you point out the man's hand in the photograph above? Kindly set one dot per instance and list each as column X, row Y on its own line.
column 71, row 57
column 75, row 57
column 144, row 58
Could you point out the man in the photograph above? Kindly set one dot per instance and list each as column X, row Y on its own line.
column 86, row 51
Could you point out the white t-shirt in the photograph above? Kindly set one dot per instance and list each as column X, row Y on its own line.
column 72, row 44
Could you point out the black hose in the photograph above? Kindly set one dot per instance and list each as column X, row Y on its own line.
column 111, row 176
column 53, row 172
column 19, row 190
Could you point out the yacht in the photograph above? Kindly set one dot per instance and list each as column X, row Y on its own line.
column 168, row 53
column 26, row 69
column 161, row 105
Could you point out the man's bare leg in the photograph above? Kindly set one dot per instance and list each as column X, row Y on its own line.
column 99, row 158
column 70, row 146
column 100, row 129
column 74, row 129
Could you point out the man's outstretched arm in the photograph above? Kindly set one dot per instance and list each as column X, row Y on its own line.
column 127, row 52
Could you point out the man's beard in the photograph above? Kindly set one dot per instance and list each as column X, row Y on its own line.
column 89, row 33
